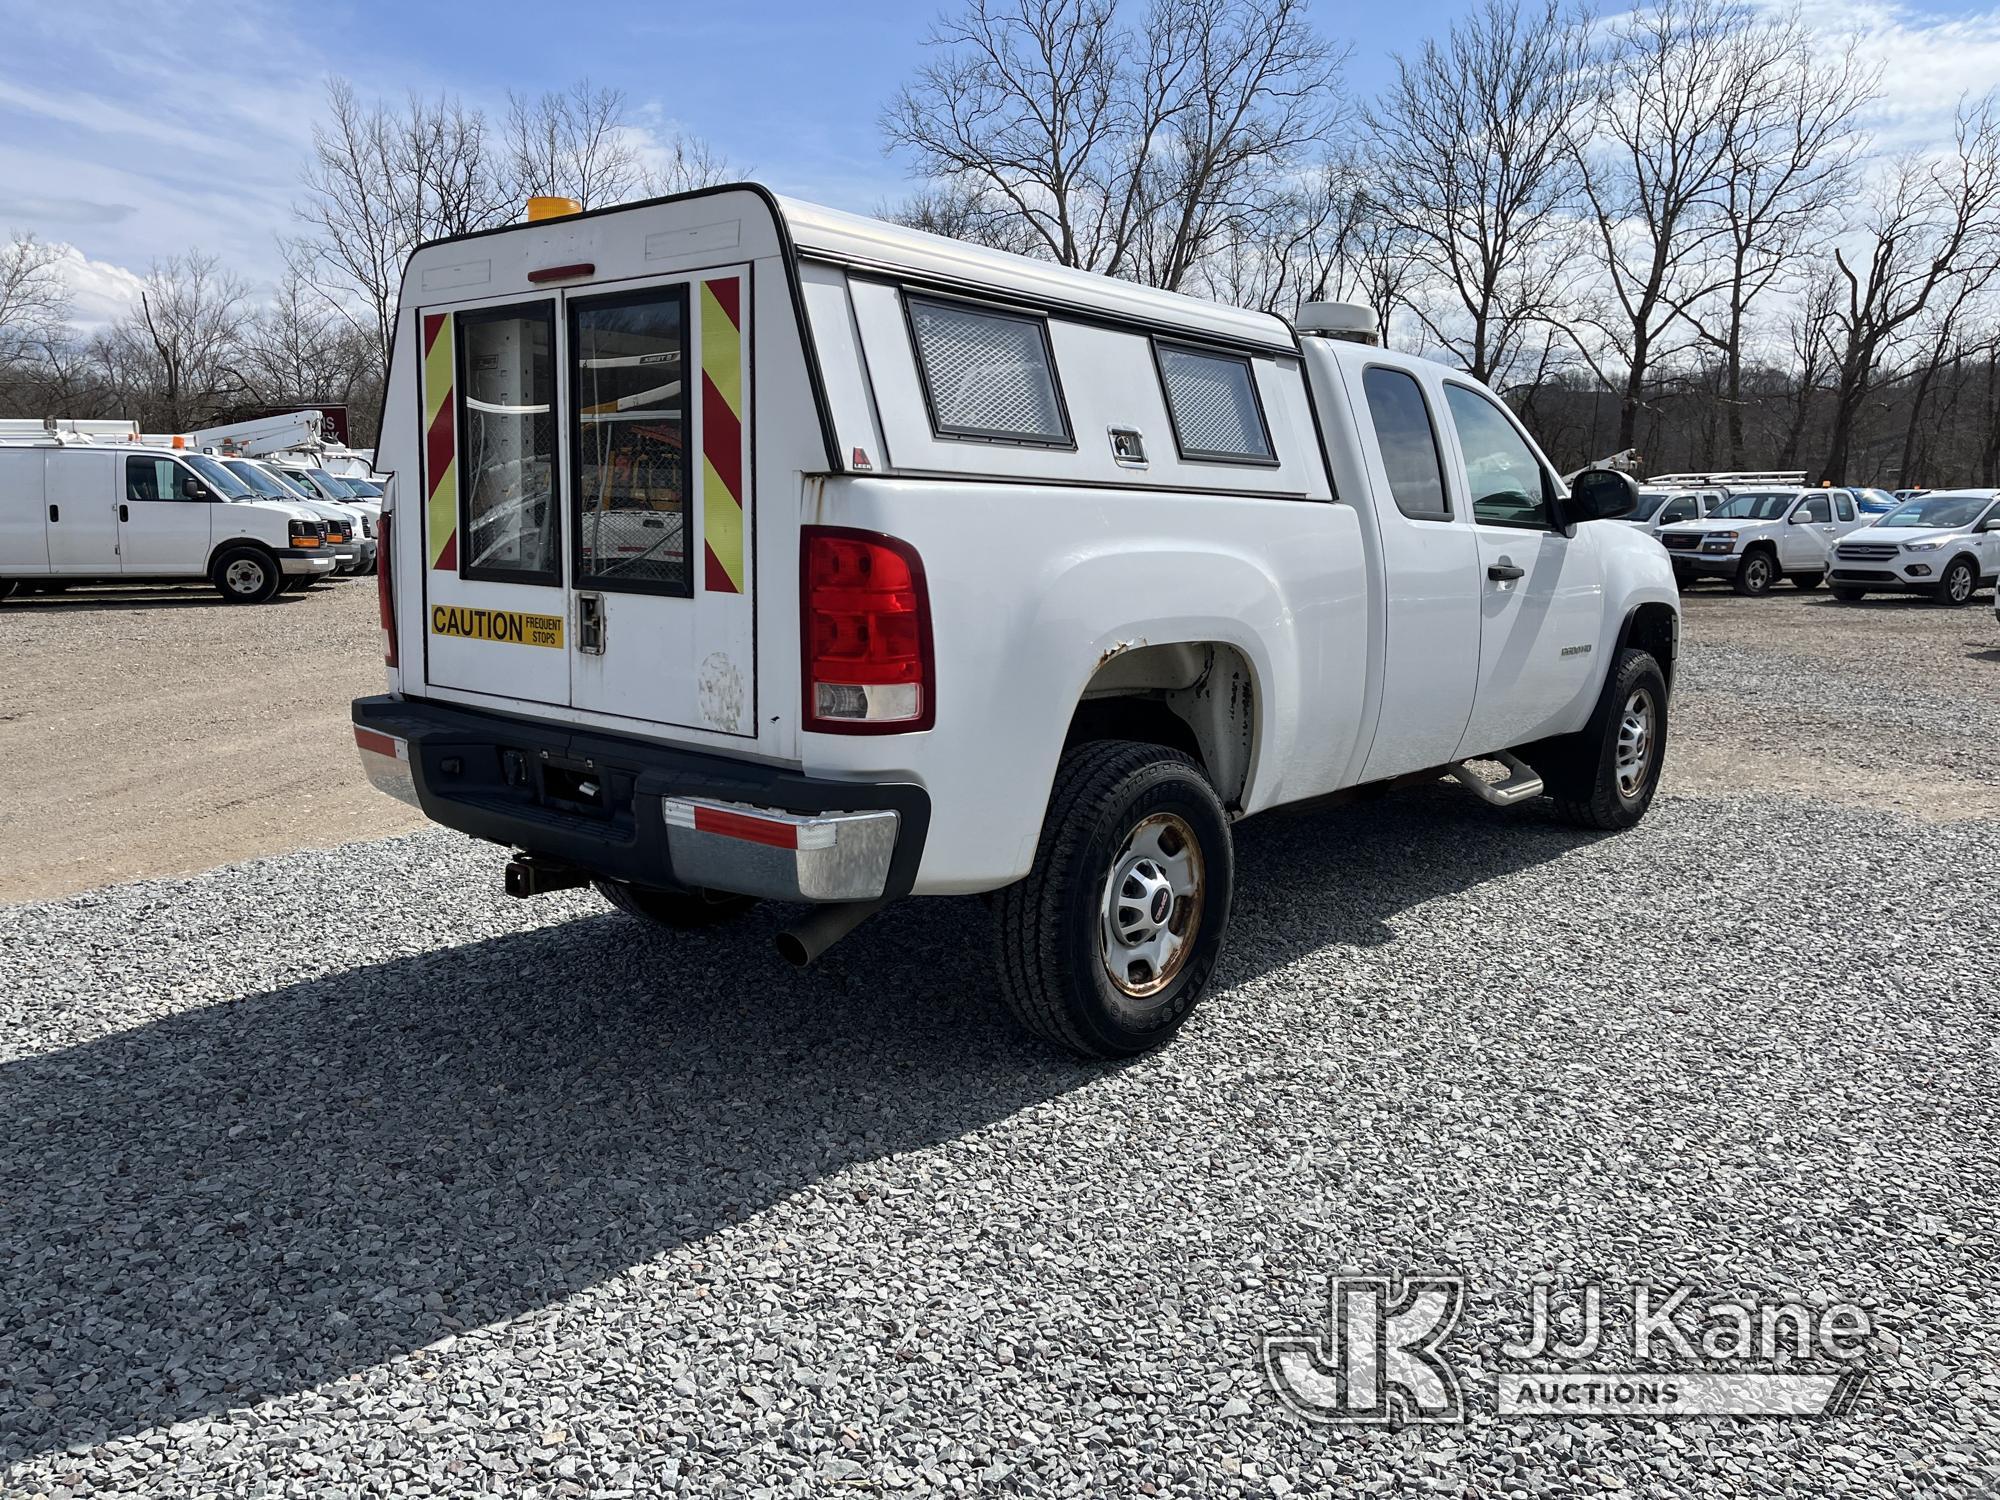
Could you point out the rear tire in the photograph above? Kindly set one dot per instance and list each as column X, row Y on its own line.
column 1605, row 775
column 247, row 575
column 1805, row 583
column 1848, row 596
column 681, row 910
column 1109, row 942
column 1755, row 574
column 1959, row 583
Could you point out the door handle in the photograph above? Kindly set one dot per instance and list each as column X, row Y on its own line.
column 590, row 624
column 55, row 512
column 1504, row 572
column 124, row 512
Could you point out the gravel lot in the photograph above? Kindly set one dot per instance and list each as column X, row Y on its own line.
column 153, row 731
column 335, row 1173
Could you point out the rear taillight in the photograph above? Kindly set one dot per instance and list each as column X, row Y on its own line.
column 385, row 589
column 865, row 619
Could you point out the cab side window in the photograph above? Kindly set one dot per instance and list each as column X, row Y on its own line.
column 154, row 479
column 1680, row 508
column 1408, row 442
column 1843, row 505
column 1508, row 485
column 1819, row 508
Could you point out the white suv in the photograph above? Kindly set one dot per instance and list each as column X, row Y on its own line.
column 1945, row 544
column 1757, row 536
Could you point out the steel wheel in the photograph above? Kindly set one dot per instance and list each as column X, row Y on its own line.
column 1757, row 573
column 244, row 576
column 1152, row 905
column 1635, row 743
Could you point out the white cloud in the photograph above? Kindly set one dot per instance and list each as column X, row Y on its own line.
column 100, row 292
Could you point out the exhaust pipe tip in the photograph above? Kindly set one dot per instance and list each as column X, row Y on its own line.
column 822, row 927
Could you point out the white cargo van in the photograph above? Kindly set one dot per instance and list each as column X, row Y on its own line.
column 83, row 512
column 743, row 549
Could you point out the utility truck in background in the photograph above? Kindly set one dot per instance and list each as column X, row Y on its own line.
column 738, row 549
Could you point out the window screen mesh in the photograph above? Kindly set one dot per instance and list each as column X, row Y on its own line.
column 1214, row 405
column 988, row 373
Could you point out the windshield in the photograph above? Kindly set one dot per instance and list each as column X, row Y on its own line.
column 219, row 478
column 1937, row 511
column 306, row 484
column 1754, row 505
column 257, row 479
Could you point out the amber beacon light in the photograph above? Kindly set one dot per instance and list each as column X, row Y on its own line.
column 540, row 208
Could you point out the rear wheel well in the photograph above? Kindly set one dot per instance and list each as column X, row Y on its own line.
column 1193, row 696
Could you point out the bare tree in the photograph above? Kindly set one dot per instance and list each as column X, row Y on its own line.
column 34, row 298
column 380, row 183
column 1929, row 238
column 1674, row 88
column 173, row 361
column 571, row 144
column 681, row 163
column 1476, row 155
column 296, row 349
column 1790, row 156
column 1128, row 157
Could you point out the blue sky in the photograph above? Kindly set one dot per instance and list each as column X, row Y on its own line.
column 131, row 129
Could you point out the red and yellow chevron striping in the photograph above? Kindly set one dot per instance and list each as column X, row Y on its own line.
column 440, row 444
column 722, row 435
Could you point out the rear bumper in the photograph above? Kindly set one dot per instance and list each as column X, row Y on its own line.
column 651, row 814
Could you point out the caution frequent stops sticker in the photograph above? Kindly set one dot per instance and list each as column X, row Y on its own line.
column 509, row 627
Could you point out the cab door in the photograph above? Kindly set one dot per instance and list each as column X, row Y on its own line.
column 164, row 519
column 1806, row 540
column 496, row 605
column 661, row 500
column 1542, row 593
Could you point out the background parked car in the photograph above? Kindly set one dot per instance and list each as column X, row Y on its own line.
column 346, row 538
column 1945, row 544
column 1875, row 502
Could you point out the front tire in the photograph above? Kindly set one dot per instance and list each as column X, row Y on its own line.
column 1604, row 776
column 1755, row 574
column 1683, row 577
column 1959, row 583
column 1805, row 583
column 1109, row 942
column 1849, row 596
column 247, row 575
column 681, row 910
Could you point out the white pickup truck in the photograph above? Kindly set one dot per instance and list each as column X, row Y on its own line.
column 1760, row 534
column 742, row 549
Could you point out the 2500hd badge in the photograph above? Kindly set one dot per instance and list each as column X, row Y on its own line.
column 509, row 627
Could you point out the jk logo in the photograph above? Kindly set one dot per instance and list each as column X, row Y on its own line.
column 1378, row 1360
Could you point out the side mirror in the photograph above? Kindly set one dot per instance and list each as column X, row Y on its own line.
column 1601, row 495
column 1992, row 523
column 196, row 490
column 1799, row 517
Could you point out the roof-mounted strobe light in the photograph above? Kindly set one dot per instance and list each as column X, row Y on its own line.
column 1353, row 321
column 540, row 208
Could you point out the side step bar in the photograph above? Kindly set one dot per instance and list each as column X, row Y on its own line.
column 1518, row 785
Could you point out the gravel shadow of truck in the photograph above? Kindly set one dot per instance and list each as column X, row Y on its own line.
column 251, row 1198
